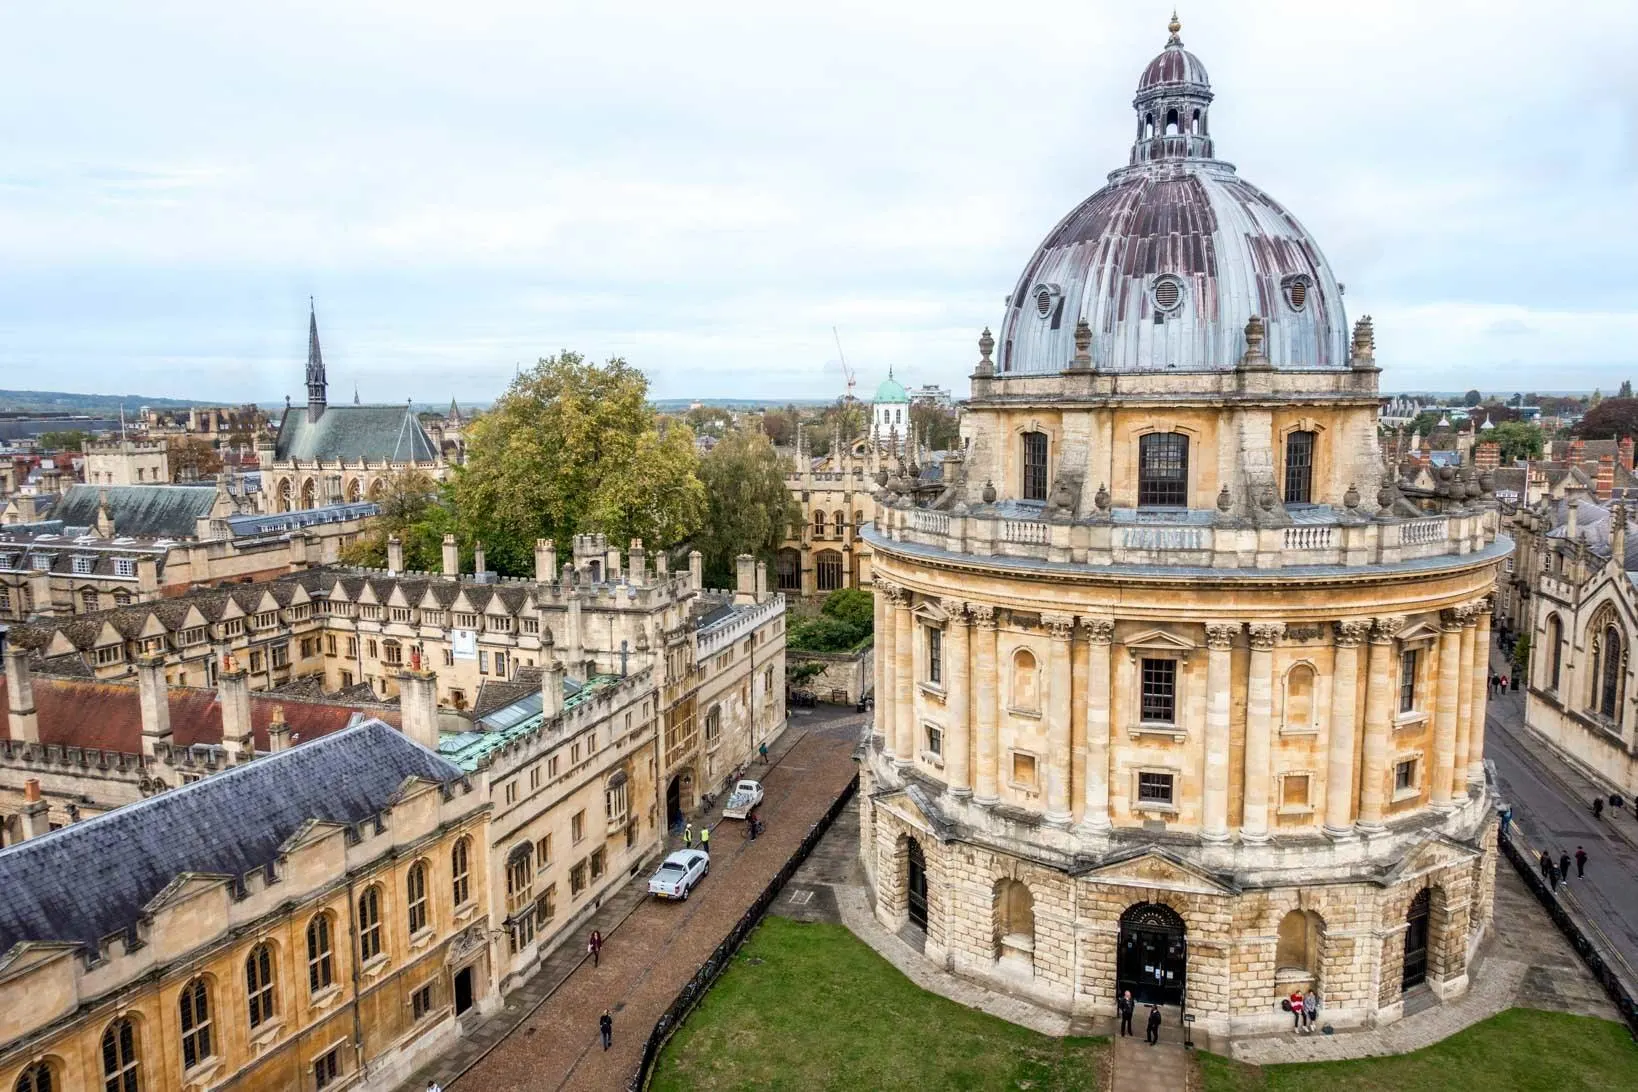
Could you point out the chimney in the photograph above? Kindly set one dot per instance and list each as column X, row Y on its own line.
column 1618, row 534
column 1626, row 452
column 1604, row 484
column 105, row 518
column 545, row 561
column 452, row 557
column 1572, row 500
column 572, row 636
column 39, row 585
column 418, row 706
column 551, row 690
column 1487, row 456
column 278, row 732
column 477, row 557
column 611, row 565
column 233, row 691
column 36, row 813
column 147, row 573
column 23, row 721
column 1577, row 448
column 395, row 555
column 761, row 581
column 637, row 562
column 155, row 699
column 662, row 565
column 696, row 570
column 298, row 550
column 744, row 580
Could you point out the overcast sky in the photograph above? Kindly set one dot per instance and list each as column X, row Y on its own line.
column 707, row 188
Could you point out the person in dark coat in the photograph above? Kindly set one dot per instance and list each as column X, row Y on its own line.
column 1126, row 1007
column 1154, row 1025
column 1546, row 864
column 1552, row 874
column 1563, row 867
column 1580, row 862
column 594, row 945
column 605, row 1026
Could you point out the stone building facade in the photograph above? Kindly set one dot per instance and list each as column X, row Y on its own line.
column 1178, row 691
column 836, row 496
column 127, row 462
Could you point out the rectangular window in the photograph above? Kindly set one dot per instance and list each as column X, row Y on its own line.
column 597, row 859
column 371, row 649
column 352, row 648
column 577, row 880
column 346, row 679
column 935, row 741
column 483, row 662
column 125, row 566
column 1404, row 776
column 1155, row 788
column 1299, row 468
column 281, row 655
column 546, row 908
column 531, row 625
column 1023, row 770
column 551, row 767
column 399, row 614
column 534, row 778
column 421, row 1002
column 1035, row 466
column 1294, row 791
column 84, row 565
column 1163, row 470
column 543, row 849
column 511, row 792
column 935, row 655
column 392, row 653
column 1159, row 698
column 255, row 661
column 327, row 1070
column 1407, row 681
column 577, row 827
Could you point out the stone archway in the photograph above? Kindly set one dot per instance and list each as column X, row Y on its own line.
column 1152, row 957
column 915, row 884
column 1417, row 921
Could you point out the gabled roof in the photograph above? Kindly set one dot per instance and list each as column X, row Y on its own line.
column 352, row 433
column 91, row 879
column 168, row 511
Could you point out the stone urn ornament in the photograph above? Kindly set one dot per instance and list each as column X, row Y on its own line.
column 1266, row 500
column 1350, row 499
column 1224, row 500
column 989, row 493
column 1101, row 498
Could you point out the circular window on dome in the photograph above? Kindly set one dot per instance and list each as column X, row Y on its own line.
column 1296, row 292
column 1168, row 293
column 1044, row 295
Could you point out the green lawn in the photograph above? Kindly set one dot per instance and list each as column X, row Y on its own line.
column 808, row 1007
column 1520, row 1050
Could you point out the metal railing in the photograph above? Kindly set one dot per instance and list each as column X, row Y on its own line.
column 723, row 956
column 1583, row 945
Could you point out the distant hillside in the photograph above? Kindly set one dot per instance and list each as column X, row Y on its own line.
column 670, row 405
column 92, row 404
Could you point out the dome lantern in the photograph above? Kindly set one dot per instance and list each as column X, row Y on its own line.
column 1172, row 103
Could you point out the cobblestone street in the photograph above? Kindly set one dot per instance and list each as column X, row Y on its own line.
column 658, row 946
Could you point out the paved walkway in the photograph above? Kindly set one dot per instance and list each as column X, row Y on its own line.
column 1139, row 1067
column 658, row 946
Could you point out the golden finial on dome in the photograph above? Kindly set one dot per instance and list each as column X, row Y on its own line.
column 1174, row 26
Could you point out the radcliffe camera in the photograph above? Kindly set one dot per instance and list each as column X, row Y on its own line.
column 908, row 548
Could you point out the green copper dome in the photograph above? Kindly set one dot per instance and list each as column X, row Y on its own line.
column 892, row 390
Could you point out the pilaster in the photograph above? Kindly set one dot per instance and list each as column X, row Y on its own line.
column 1446, row 703
column 1378, row 722
column 1220, row 637
column 957, row 687
column 1339, row 764
column 1059, row 627
column 986, row 750
column 1259, row 730
column 1100, row 636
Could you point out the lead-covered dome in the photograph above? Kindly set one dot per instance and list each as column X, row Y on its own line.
column 1169, row 261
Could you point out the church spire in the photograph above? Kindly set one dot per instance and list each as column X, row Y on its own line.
column 316, row 383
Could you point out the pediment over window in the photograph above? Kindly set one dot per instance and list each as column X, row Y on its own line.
column 1149, row 868
column 1159, row 640
column 1420, row 632
column 930, row 613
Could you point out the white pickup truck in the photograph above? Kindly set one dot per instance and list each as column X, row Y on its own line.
column 747, row 795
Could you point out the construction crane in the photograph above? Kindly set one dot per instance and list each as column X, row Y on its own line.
column 847, row 372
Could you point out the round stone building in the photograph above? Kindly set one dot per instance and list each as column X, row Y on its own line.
column 1178, row 690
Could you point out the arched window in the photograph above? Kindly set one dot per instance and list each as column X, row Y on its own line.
column 520, row 878
column 828, row 564
column 195, row 1006
column 818, row 523
column 1148, row 126
column 355, row 491
column 1034, row 485
column 309, row 493
column 1013, row 911
column 858, row 519
column 36, row 1078
column 1026, row 688
column 320, row 958
column 1163, row 470
column 1555, row 641
column 1609, row 678
column 460, row 865
column 788, row 570
column 1194, row 123
column 1299, row 467
column 119, row 1057
column 259, row 991
column 369, row 924
column 284, row 495
column 1172, row 127
column 841, row 523
column 1298, row 947
column 1299, row 699
column 416, row 888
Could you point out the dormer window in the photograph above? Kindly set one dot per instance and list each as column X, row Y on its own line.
column 84, row 563
column 124, row 566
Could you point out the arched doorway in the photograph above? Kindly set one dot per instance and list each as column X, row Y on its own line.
column 916, row 870
column 673, row 802
column 1153, row 958
column 1416, row 941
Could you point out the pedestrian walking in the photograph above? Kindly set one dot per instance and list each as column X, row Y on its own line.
column 1506, row 820
column 1564, row 868
column 1598, row 807
column 1580, row 862
column 434, row 1086
column 1552, row 874
column 1126, row 1007
column 751, row 825
column 594, row 945
column 1310, row 1009
column 688, row 836
column 763, row 751
column 705, row 839
column 1154, row 1025
column 605, row 1025
column 1546, row 864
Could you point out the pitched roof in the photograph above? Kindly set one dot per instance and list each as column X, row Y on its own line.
column 144, row 510
column 353, row 433
column 91, row 879
column 107, row 716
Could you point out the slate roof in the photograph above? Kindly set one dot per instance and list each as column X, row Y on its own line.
column 168, row 511
column 107, row 716
column 352, row 433
column 91, row 879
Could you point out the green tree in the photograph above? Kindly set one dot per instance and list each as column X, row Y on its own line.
column 1424, row 422
column 1518, row 441
column 748, row 507
column 71, row 440
column 413, row 508
column 573, row 447
column 780, row 425
column 191, row 458
column 846, row 618
column 941, row 426
column 1472, row 398
column 1610, row 419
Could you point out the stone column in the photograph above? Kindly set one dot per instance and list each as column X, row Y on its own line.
column 1100, row 635
column 1445, row 707
column 1259, row 730
column 886, row 631
column 1464, row 703
column 23, row 718
column 1481, row 696
column 1219, row 681
column 985, row 698
column 1379, row 709
column 904, row 679
column 1339, row 763
column 1060, row 627
column 957, row 680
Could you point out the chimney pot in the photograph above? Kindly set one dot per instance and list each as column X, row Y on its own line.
column 31, row 790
